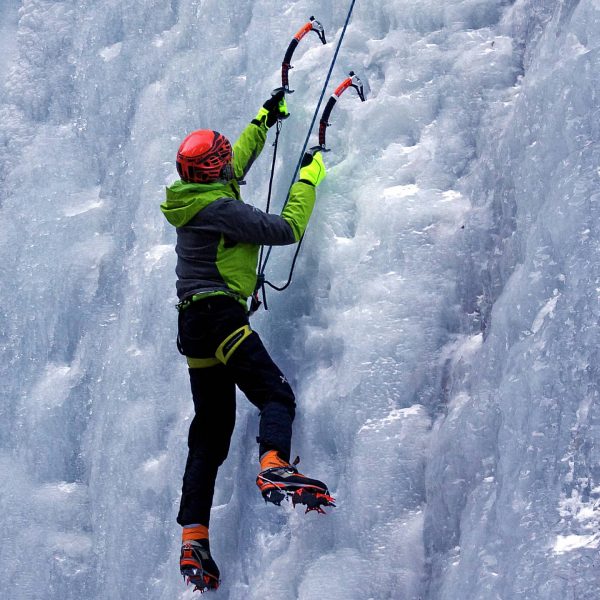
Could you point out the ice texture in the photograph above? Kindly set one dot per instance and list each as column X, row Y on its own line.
column 441, row 332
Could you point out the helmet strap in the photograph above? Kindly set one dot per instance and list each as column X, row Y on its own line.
column 227, row 173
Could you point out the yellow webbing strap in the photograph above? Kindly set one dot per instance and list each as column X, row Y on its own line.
column 227, row 347
column 201, row 363
column 231, row 343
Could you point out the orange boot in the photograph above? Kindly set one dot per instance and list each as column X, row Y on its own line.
column 196, row 564
column 279, row 479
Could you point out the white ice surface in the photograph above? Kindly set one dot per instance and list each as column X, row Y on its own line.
column 441, row 332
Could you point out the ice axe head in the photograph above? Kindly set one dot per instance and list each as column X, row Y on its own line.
column 318, row 29
column 359, row 86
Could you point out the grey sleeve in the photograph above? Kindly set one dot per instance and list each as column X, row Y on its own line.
column 244, row 223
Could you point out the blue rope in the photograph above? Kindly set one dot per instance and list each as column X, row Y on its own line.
column 262, row 267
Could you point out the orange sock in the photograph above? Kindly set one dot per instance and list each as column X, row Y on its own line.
column 271, row 459
column 196, row 532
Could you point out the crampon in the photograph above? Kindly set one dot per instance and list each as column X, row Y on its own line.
column 282, row 481
column 201, row 580
column 313, row 500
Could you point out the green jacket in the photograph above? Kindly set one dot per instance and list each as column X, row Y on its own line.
column 219, row 236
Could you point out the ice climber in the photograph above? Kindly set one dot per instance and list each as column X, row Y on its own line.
column 218, row 241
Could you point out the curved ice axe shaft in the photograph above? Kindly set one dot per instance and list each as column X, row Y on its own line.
column 352, row 81
column 311, row 25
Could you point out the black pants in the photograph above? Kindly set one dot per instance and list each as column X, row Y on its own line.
column 202, row 329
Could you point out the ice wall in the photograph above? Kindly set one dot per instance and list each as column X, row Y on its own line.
column 513, row 480
column 440, row 332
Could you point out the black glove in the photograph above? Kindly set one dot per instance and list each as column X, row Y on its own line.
column 274, row 108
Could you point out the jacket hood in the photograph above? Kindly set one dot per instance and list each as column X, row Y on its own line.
column 185, row 200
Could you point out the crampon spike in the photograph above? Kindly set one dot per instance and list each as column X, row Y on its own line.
column 208, row 583
column 312, row 500
column 201, row 581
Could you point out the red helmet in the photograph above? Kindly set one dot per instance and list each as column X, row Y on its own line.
column 204, row 157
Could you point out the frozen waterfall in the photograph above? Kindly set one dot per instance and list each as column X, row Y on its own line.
column 442, row 331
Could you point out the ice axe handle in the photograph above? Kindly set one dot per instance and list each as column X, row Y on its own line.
column 286, row 66
column 324, row 122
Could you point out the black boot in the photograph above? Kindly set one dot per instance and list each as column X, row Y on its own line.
column 197, row 565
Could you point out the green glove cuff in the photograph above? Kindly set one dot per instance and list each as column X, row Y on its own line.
column 284, row 113
column 261, row 115
column 313, row 171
